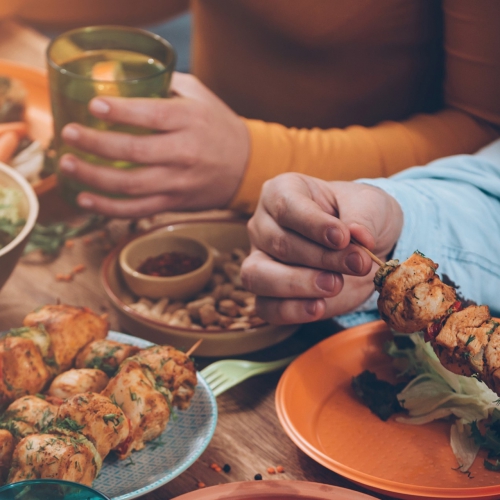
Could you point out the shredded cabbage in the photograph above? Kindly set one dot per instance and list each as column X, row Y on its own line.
column 437, row 393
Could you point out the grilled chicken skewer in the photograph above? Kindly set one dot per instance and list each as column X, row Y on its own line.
column 81, row 428
column 413, row 298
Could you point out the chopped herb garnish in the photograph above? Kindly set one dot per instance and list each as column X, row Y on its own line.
column 69, row 424
column 470, row 339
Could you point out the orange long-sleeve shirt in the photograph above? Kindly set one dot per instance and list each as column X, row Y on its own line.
column 386, row 84
column 338, row 89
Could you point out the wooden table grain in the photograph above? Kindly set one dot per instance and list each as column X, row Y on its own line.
column 248, row 436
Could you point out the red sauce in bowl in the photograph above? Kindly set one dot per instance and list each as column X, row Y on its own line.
column 170, row 264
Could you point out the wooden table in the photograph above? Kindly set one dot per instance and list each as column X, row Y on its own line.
column 248, row 436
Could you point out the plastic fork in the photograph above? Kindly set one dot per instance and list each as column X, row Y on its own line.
column 222, row 375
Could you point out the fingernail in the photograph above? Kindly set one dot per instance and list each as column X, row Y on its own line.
column 67, row 164
column 335, row 236
column 326, row 281
column 70, row 133
column 310, row 307
column 99, row 106
column 85, row 202
column 354, row 262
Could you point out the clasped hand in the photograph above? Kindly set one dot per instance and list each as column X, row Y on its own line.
column 303, row 266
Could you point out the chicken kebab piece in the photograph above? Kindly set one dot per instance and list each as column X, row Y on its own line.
column 146, row 387
column 105, row 355
column 76, row 381
column 413, row 298
column 70, row 329
column 47, row 345
column 84, row 430
column 6, row 451
column 25, row 416
column 173, row 370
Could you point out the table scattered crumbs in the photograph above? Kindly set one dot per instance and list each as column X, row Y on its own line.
column 216, row 467
column 226, row 468
column 79, row 268
column 271, row 470
column 258, row 477
column 201, row 485
column 280, row 469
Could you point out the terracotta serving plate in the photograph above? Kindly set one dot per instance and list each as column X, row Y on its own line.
column 274, row 490
column 224, row 235
column 320, row 412
column 38, row 113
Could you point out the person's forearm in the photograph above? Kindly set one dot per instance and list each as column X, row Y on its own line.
column 348, row 154
column 452, row 215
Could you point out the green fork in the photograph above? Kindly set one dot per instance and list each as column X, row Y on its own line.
column 222, row 375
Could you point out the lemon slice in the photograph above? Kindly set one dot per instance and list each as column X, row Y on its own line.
column 107, row 74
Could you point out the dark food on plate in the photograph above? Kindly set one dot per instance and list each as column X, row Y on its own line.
column 413, row 298
column 66, row 432
column 12, row 99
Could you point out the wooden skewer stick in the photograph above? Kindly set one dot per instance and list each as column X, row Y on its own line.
column 194, row 347
column 372, row 255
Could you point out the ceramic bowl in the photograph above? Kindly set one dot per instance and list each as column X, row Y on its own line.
column 180, row 287
column 28, row 210
column 223, row 235
column 49, row 489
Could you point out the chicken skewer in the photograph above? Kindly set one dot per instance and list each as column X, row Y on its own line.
column 413, row 298
column 76, row 423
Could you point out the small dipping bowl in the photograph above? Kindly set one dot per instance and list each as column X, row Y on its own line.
column 49, row 489
column 179, row 287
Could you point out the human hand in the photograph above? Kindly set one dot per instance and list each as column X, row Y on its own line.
column 195, row 161
column 302, row 266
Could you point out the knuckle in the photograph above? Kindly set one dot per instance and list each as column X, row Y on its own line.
column 247, row 272
column 279, row 246
column 190, row 156
column 280, row 208
column 326, row 259
column 252, row 229
column 160, row 117
column 129, row 185
column 137, row 150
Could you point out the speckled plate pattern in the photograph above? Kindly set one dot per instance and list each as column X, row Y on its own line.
column 321, row 414
column 187, row 435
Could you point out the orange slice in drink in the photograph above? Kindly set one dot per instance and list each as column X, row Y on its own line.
column 106, row 75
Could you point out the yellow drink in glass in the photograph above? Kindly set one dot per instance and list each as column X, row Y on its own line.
column 103, row 61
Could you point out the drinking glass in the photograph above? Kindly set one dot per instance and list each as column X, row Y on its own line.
column 49, row 489
column 103, row 61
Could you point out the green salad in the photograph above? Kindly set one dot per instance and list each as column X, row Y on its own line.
column 11, row 222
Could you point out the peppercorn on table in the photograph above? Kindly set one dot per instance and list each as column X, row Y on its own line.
column 249, row 442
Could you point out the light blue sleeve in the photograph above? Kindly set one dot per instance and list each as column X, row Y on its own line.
column 451, row 213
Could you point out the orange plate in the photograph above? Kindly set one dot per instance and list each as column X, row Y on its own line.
column 321, row 414
column 274, row 490
column 38, row 114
